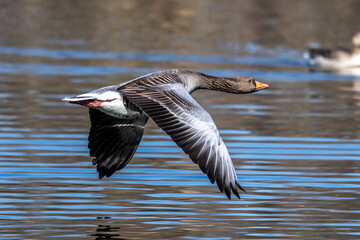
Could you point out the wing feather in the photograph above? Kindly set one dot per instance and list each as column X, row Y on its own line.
column 190, row 127
column 113, row 141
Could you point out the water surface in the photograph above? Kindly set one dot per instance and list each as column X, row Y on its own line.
column 295, row 146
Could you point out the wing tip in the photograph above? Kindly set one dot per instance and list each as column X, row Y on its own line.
column 101, row 175
column 240, row 187
column 105, row 173
column 228, row 195
column 230, row 189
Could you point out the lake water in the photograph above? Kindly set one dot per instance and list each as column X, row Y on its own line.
column 295, row 146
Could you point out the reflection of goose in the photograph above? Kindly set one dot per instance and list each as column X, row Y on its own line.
column 119, row 113
column 107, row 232
column 335, row 59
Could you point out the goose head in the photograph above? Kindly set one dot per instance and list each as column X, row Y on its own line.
column 237, row 85
column 248, row 85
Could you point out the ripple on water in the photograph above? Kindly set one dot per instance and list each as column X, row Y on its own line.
column 299, row 185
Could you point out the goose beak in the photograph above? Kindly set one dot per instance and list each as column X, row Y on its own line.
column 260, row 86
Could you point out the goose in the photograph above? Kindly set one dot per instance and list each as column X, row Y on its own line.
column 118, row 115
column 335, row 59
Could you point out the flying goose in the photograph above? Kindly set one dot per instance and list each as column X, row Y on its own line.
column 118, row 115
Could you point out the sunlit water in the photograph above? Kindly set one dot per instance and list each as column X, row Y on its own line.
column 295, row 146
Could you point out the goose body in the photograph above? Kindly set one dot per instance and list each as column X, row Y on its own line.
column 118, row 115
column 335, row 58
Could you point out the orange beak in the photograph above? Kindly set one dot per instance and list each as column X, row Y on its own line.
column 260, row 86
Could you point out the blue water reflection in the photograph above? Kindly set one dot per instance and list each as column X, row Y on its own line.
column 295, row 147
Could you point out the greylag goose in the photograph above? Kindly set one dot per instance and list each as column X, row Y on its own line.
column 118, row 115
column 334, row 59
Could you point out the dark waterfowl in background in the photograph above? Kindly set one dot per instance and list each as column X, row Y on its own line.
column 118, row 115
column 333, row 59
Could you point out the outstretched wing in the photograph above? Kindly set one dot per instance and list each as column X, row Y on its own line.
column 190, row 127
column 113, row 141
